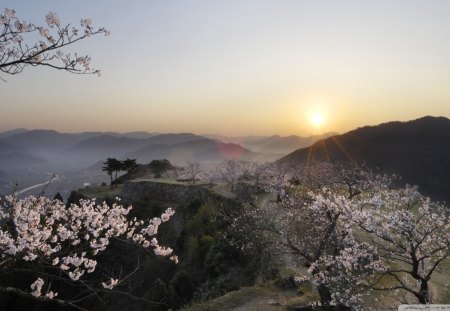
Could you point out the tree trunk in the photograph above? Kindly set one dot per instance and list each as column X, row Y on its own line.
column 111, row 180
column 325, row 295
column 424, row 293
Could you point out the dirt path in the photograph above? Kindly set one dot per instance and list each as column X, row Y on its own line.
column 53, row 179
column 253, row 299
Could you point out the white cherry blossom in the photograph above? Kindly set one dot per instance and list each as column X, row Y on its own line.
column 51, row 234
column 16, row 54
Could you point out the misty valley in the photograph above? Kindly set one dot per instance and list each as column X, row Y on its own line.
column 29, row 157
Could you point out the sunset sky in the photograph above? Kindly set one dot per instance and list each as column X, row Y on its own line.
column 239, row 67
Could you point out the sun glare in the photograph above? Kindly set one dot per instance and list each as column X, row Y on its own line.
column 317, row 119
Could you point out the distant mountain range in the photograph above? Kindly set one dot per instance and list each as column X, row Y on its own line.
column 271, row 148
column 105, row 146
column 201, row 150
column 14, row 156
column 6, row 148
column 5, row 181
column 21, row 147
column 46, row 141
column 283, row 145
column 32, row 148
column 115, row 146
column 16, row 159
column 12, row 132
column 417, row 150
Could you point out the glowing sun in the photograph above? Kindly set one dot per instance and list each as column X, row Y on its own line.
column 317, row 119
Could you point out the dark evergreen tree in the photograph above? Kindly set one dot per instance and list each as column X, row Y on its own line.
column 160, row 166
column 112, row 165
column 128, row 165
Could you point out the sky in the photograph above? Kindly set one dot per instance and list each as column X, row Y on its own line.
column 239, row 67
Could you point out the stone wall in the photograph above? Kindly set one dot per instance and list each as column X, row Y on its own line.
column 176, row 193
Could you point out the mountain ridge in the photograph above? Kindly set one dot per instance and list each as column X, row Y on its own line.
column 417, row 150
column 195, row 150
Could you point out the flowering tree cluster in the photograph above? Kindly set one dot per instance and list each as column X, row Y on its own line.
column 229, row 172
column 49, row 40
column 352, row 231
column 402, row 237
column 57, row 242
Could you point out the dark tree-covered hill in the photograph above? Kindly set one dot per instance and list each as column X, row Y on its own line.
column 417, row 150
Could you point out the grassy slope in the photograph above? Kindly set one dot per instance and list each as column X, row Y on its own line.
column 255, row 299
column 103, row 192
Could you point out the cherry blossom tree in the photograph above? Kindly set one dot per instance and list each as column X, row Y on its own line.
column 278, row 177
column 192, row 171
column 230, row 172
column 412, row 235
column 316, row 223
column 350, row 177
column 24, row 44
column 53, row 243
column 211, row 175
column 234, row 171
column 318, row 228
